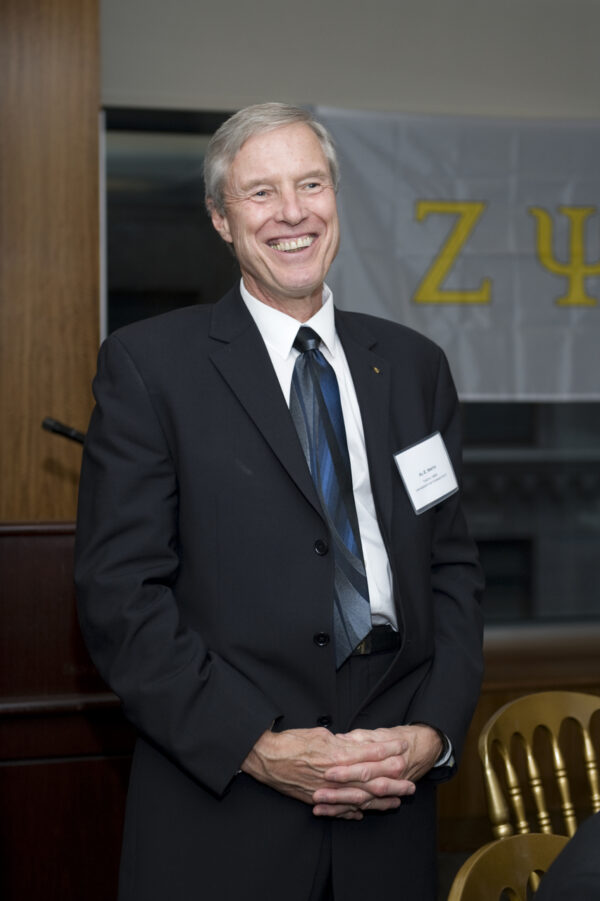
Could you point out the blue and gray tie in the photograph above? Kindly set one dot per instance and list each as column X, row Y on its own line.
column 317, row 413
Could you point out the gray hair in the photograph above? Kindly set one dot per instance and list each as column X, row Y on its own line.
column 227, row 141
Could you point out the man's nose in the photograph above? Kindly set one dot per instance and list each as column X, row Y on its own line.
column 290, row 209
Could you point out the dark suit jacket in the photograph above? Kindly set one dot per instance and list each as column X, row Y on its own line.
column 200, row 594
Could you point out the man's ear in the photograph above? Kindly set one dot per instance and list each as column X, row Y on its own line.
column 220, row 222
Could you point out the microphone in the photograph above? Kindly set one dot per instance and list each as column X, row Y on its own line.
column 52, row 425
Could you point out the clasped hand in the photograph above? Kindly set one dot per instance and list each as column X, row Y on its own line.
column 345, row 775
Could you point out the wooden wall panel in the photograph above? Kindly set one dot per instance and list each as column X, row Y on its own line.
column 65, row 747
column 63, row 841
column 41, row 651
column 49, row 247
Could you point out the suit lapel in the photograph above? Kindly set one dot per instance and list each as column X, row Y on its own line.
column 241, row 357
column 372, row 383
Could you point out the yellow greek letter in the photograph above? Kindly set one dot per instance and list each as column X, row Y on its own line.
column 576, row 270
column 429, row 290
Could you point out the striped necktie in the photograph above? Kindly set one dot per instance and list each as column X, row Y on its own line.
column 317, row 413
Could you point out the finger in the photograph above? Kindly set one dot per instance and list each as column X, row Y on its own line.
column 363, row 736
column 357, row 735
column 345, row 796
column 391, row 767
column 347, row 811
column 390, row 788
column 361, row 795
column 380, row 804
column 337, row 811
column 369, row 750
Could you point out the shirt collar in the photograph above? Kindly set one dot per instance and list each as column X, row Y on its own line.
column 279, row 330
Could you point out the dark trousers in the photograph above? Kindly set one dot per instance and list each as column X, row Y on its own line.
column 355, row 679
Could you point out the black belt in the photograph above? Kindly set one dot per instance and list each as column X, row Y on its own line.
column 380, row 638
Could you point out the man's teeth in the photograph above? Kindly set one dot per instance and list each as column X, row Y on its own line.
column 294, row 244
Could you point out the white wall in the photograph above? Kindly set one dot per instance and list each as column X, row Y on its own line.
column 495, row 57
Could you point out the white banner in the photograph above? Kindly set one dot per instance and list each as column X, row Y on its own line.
column 483, row 234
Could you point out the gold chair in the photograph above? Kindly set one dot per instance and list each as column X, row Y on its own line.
column 506, row 868
column 545, row 710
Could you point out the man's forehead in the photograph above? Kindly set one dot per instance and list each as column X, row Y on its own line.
column 289, row 149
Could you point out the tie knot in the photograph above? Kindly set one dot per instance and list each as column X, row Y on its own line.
column 306, row 339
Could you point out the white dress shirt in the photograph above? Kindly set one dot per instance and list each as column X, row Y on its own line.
column 278, row 331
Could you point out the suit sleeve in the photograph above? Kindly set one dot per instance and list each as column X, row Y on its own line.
column 190, row 703
column 450, row 692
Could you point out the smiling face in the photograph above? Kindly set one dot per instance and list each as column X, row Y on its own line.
column 281, row 218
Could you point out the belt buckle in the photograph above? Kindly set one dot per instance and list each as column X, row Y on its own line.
column 364, row 645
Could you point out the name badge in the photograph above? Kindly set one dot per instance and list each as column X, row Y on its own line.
column 427, row 472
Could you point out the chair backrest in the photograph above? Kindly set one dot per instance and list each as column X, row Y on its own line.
column 505, row 868
column 545, row 710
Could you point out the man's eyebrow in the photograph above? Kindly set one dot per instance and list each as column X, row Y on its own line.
column 254, row 183
column 316, row 173
column 267, row 180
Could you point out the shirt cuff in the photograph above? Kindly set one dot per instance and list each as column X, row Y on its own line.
column 446, row 757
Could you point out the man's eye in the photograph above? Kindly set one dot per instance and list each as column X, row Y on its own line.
column 261, row 193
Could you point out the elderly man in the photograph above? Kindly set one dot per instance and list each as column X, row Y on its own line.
column 294, row 633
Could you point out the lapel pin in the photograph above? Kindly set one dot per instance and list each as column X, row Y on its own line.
column 376, row 370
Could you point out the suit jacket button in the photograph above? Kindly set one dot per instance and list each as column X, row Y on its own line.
column 325, row 720
column 321, row 639
column 321, row 547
